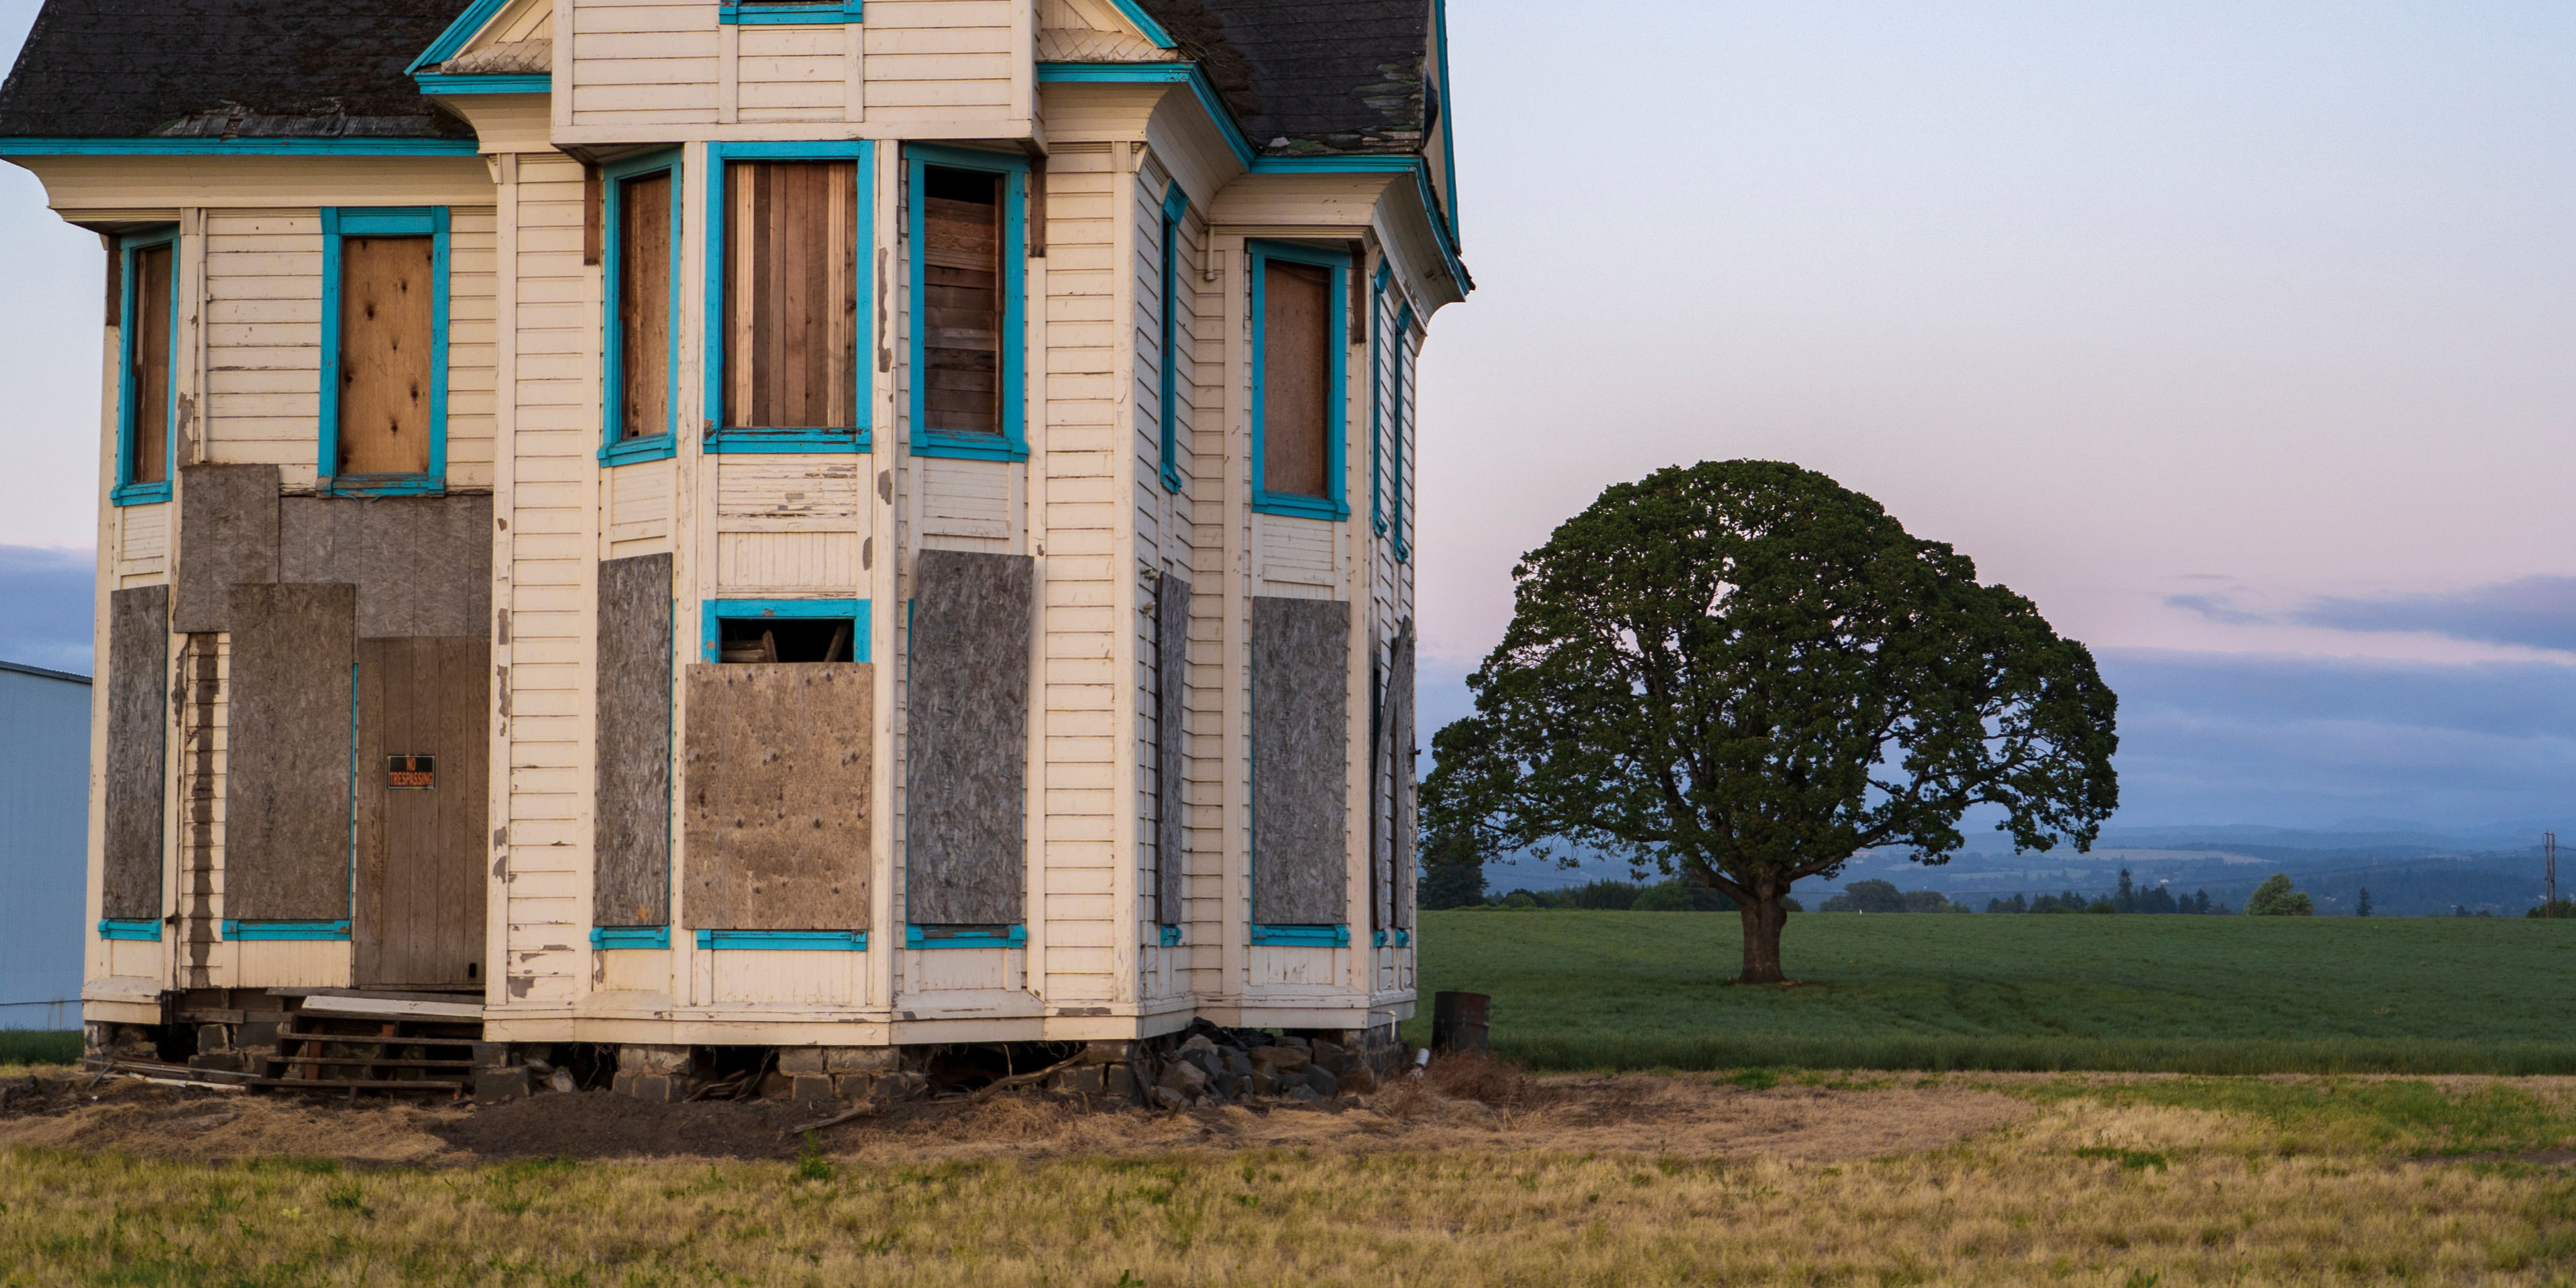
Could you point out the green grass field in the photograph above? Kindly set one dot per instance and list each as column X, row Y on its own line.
column 1638, row 990
column 38, row 1046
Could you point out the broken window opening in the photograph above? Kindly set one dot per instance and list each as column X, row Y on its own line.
column 786, row 639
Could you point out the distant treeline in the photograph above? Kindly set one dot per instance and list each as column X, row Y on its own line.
column 2154, row 900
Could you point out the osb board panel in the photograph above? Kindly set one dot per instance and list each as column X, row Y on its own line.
column 422, row 565
column 777, row 768
column 227, row 538
column 385, row 347
column 1301, row 650
column 287, row 787
column 965, row 778
column 1171, row 715
column 632, row 835
column 1401, row 738
column 420, row 873
column 138, row 660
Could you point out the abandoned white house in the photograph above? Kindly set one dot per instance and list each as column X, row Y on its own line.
column 714, row 523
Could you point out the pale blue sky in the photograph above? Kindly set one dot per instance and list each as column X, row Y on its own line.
column 2236, row 335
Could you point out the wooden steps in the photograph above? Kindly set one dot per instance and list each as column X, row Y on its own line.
column 403, row 1053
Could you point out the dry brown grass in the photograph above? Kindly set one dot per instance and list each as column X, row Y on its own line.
column 1476, row 1179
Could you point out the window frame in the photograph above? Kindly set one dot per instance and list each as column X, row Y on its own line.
column 126, row 491
column 1012, row 443
column 754, row 440
column 612, row 386
column 1395, row 493
column 786, row 13
column 1176, row 209
column 1378, row 387
column 1334, row 504
column 714, row 613
column 340, row 222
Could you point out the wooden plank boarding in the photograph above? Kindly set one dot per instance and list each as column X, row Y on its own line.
column 420, row 878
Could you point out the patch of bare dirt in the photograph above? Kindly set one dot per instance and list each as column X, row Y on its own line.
column 1464, row 1106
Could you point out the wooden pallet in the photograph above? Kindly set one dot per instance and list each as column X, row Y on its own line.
column 349, row 1053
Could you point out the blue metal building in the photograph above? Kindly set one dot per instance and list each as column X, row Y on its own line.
column 44, row 828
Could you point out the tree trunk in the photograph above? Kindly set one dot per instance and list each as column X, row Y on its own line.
column 1764, row 915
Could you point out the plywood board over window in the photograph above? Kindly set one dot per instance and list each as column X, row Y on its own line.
column 385, row 372
column 288, row 742
column 1297, row 303
column 1171, row 736
column 791, row 304
column 777, row 773
column 966, row 756
column 633, row 837
column 1300, row 756
column 138, row 660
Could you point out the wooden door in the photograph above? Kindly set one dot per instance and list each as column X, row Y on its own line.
column 422, row 745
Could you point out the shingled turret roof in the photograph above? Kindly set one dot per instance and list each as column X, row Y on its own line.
column 1312, row 76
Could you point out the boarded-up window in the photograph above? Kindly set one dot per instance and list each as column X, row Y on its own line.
column 147, row 356
column 962, row 295
column 643, row 306
column 1296, row 373
column 386, row 336
column 1301, row 651
column 791, row 302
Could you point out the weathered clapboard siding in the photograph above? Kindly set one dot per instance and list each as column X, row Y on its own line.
column 1164, row 539
column 793, row 525
column 950, row 65
column 639, row 508
column 142, row 543
column 1086, row 586
column 263, row 340
column 792, row 74
column 940, row 61
column 643, row 64
column 545, row 701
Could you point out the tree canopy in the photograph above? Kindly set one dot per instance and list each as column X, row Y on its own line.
column 1743, row 671
column 2275, row 898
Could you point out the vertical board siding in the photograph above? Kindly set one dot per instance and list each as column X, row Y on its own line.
column 421, row 882
column 545, row 692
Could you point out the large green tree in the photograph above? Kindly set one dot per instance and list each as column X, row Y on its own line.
column 1745, row 672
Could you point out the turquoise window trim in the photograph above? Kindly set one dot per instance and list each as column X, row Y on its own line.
column 713, row 613
column 612, row 937
column 246, row 931
column 1170, row 937
column 787, row 13
column 384, row 221
column 1336, row 936
column 127, row 491
column 1400, row 938
column 612, row 395
column 785, row 941
column 492, row 83
column 253, row 147
column 779, row 442
column 1015, row 935
column 1331, row 505
column 136, row 930
column 1445, row 213
column 1012, row 443
column 1176, row 206
column 854, row 439
column 1377, row 395
column 1403, row 365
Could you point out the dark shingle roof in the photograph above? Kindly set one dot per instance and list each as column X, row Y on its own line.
column 307, row 68
column 1311, row 76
